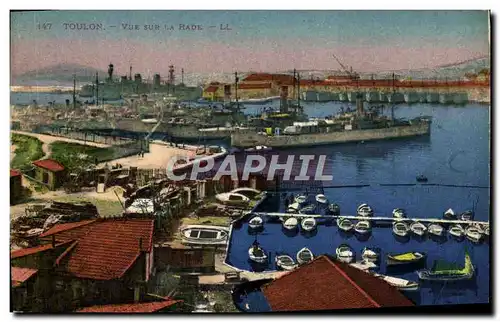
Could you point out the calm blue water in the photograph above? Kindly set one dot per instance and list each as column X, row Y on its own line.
column 457, row 152
column 25, row 98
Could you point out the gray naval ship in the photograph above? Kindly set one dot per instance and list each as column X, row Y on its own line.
column 357, row 126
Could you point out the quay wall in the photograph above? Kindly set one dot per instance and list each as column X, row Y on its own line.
column 252, row 139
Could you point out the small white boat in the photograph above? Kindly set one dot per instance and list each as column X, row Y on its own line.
column 365, row 211
column 473, row 234
column 399, row 283
column 304, row 255
column 204, row 235
column 467, row 215
column 259, row 148
column 449, row 214
column 344, row 253
column 308, row 224
column 291, row 223
column 398, row 213
column 400, row 228
column 345, row 224
column 369, row 255
column 309, row 209
column 435, row 229
column 300, row 199
column 256, row 222
column 456, row 231
column 364, row 265
column 363, row 227
column 321, row 199
column 293, row 208
column 486, row 230
column 257, row 254
column 285, row 262
column 418, row 228
column 363, row 205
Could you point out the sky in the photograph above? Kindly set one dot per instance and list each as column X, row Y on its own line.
column 229, row 41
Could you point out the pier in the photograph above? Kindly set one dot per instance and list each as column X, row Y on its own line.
column 385, row 219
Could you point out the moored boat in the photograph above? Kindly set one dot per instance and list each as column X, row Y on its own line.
column 467, row 215
column 364, row 211
column 473, row 234
column 443, row 271
column 256, row 222
column 308, row 224
column 435, row 229
column 334, row 209
column 300, row 199
column 304, row 255
column 285, row 262
column 344, row 253
column 398, row 213
column 422, row 178
column 204, row 235
column 449, row 214
column 456, row 231
column 321, row 199
column 363, row 227
column 400, row 283
column 291, row 223
column 257, row 254
column 405, row 258
column 418, row 228
column 369, row 254
column 345, row 224
column 487, row 230
column 400, row 228
column 308, row 210
column 293, row 208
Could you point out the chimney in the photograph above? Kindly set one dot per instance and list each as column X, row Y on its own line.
column 54, row 241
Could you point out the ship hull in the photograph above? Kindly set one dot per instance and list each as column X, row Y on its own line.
column 246, row 140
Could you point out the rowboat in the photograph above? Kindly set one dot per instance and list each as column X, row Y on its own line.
column 363, row 227
column 257, row 254
column 256, row 222
column 449, row 214
column 300, row 199
column 399, row 283
column 418, row 228
column 398, row 213
column 369, row 255
column 285, row 262
column 308, row 224
column 435, row 229
column 443, row 271
column 405, row 258
column 400, row 229
column 309, row 209
column 291, row 223
column 334, row 209
column 473, row 234
column 467, row 215
column 345, row 224
column 364, row 210
column 321, row 199
column 456, row 231
column 293, row 208
column 304, row 255
column 344, row 253
column 204, row 235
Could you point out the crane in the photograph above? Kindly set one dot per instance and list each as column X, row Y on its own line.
column 349, row 72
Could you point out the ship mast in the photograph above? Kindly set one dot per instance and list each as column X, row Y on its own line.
column 74, row 91
column 236, row 79
column 96, row 89
column 393, row 91
column 298, row 91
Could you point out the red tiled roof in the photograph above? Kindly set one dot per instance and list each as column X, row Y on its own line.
column 254, row 86
column 148, row 307
column 19, row 275
column 49, row 164
column 325, row 284
column 105, row 249
column 32, row 250
column 15, row 173
column 211, row 89
column 65, row 227
column 339, row 77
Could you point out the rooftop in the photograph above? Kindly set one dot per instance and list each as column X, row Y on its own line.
column 19, row 275
column 325, row 284
column 15, row 173
column 148, row 307
column 211, row 89
column 49, row 164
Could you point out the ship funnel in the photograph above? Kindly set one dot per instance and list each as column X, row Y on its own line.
column 359, row 104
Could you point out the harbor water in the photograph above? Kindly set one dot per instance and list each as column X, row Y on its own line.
column 456, row 153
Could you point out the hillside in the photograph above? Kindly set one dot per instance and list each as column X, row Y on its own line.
column 61, row 74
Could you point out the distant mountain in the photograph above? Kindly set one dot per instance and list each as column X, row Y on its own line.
column 61, row 74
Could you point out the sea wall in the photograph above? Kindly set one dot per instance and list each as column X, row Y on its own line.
column 245, row 140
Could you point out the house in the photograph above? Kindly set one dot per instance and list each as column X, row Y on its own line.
column 326, row 284
column 93, row 262
column 22, row 283
column 266, row 84
column 16, row 187
column 49, row 172
column 145, row 307
column 181, row 258
column 213, row 92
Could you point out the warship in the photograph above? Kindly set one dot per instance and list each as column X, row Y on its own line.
column 358, row 126
column 112, row 89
